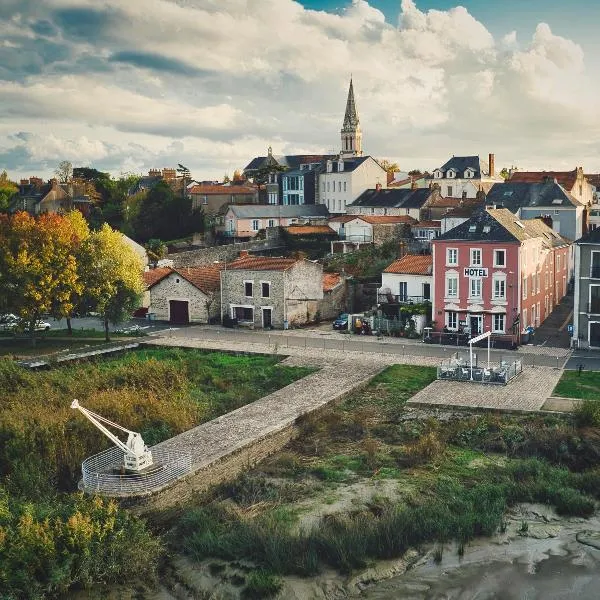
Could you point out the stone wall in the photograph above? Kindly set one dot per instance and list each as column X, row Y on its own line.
column 334, row 302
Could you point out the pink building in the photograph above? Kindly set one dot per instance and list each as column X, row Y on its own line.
column 498, row 273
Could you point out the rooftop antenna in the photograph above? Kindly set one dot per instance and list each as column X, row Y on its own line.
column 137, row 457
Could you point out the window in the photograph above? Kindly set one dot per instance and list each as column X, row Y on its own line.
column 345, row 185
column 595, row 265
column 248, row 289
column 499, row 288
column 468, row 174
column 452, row 320
column 255, row 225
column 271, row 222
column 475, row 257
column 328, row 186
column 243, row 313
column 475, row 287
column 524, row 287
column 177, row 280
column 499, row 258
column 537, row 281
column 451, row 286
column 403, row 291
column 498, row 323
column 449, row 191
column 265, row 289
column 205, row 200
column 451, row 174
column 339, row 186
column 272, row 197
column 524, row 319
column 452, row 256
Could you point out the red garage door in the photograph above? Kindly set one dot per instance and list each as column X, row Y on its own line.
column 179, row 311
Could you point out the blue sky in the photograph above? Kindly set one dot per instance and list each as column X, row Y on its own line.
column 130, row 86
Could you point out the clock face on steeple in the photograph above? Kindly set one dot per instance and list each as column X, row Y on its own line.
column 351, row 134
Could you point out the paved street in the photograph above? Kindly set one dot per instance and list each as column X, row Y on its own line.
column 590, row 360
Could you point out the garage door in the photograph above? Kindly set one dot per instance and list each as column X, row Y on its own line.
column 178, row 309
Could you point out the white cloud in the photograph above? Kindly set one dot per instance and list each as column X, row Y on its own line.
column 212, row 83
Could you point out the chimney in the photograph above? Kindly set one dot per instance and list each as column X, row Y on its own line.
column 378, row 187
column 413, row 183
column 491, row 165
column 244, row 254
column 464, row 195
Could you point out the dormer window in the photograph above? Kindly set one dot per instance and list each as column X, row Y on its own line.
column 437, row 174
column 451, row 174
column 469, row 173
column 329, row 166
column 340, row 166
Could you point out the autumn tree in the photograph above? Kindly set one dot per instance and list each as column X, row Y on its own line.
column 64, row 171
column 112, row 273
column 238, row 177
column 8, row 189
column 38, row 271
column 389, row 166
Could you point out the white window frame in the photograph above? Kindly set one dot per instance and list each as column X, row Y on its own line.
column 471, row 253
column 524, row 319
column 454, row 315
column 472, row 281
column 251, row 282
column 524, row 287
column 261, row 289
column 448, row 279
column 497, row 279
column 271, row 222
column 257, row 226
column 496, row 264
column 495, row 328
column 448, row 253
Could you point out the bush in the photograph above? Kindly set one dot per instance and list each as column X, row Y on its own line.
column 261, row 584
column 587, row 413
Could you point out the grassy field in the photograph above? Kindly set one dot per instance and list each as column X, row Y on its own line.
column 51, row 538
column 366, row 481
column 584, row 385
column 22, row 348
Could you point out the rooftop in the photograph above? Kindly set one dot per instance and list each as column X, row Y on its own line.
column 412, row 264
column 206, row 278
column 393, row 198
column 270, row 211
column 262, row 263
column 517, row 194
column 565, row 178
column 309, row 230
column 331, row 281
column 222, row 189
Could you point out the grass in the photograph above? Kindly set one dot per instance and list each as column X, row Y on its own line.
column 584, row 386
column 22, row 348
column 455, row 481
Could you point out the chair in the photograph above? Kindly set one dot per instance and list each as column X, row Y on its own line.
column 464, row 373
column 487, row 375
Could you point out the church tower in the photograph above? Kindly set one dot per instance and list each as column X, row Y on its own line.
column 351, row 134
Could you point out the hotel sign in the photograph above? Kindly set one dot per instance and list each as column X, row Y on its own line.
column 475, row 272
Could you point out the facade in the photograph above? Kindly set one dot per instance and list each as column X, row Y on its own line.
column 426, row 230
column 266, row 292
column 345, row 179
column 391, row 201
column 497, row 273
column 453, row 218
column 183, row 296
column 211, row 198
column 547, row 199
column 299, row 186
column 36, row 197
column 408, row 279
column 574, row 182
column 586, row 312
column 245, row 221
column 371, row 229
column 464, row 176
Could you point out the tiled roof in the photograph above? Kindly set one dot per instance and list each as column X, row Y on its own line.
column 445, row 202
column 262, row 263
column 205, row 278
column 208, row 190
column 461, row 211
column 387, row 219
column 309, row 230
column 153, row 276
column 292, row 161
column 428, row 224
column 412, row 264
column 331, row 281
column 565, row 178
column 342, row 218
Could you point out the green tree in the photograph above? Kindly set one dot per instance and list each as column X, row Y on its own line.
column 8, row 189
column 112, row 275
column 38, row 271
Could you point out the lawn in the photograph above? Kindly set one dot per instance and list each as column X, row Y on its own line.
column 366, row 480
column 21, row 347
column 585, row 385
column 52, row 538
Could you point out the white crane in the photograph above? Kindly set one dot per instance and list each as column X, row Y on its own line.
column 137, row 456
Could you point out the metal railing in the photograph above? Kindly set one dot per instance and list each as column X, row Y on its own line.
column 459, row 369
column 401, row 299
column 101, row 472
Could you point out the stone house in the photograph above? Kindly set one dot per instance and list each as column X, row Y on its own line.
column 211, row 198
column 371, row 229
column 184, row 295
column 36, row 197
column 335, row 296
column 586, row 313
column 391, row 202
column 265, row 292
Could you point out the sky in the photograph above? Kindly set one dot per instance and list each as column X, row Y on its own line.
column 129, row 86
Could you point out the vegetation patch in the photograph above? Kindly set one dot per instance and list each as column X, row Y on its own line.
column 584, row 385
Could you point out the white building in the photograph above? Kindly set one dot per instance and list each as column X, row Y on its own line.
column 407, row 279
column 464, row 176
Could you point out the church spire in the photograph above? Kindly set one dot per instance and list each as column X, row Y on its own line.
column 351, row 134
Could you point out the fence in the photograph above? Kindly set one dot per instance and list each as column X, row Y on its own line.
column 458, row 368
column 99, row 476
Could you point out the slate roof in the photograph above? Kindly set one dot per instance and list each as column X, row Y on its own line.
column 591, row 237
column 501, row 225
column 262, row 263
column 412, row 264
column 265, row 211
column 331, row 281
column 593, row 179
column 565, row 178
column 206, row 278
column 462, row 163
column 514, row 195
column 393, row 198
column 290, row 161
column 350, row 164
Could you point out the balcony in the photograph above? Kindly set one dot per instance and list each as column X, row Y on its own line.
column 401, row 299
column 595, row 271
column 593, row 307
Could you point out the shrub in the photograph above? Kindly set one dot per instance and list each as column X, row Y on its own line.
column 587, row 413
column 261, row 584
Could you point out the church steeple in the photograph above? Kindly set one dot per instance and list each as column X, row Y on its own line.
column 351, row 133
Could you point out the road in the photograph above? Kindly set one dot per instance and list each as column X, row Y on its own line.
column 326, row 339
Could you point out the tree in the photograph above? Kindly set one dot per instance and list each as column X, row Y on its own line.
column 416, row 173
column 8, row 189
column 38, row 271
column 390, row 167
column 238, row 177
column 112, row 274
column 505, row 173
column 156, row 249
column 64, row 171
column 226, row 178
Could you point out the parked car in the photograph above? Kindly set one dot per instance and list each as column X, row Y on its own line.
column 341, row 322
column 10, row 322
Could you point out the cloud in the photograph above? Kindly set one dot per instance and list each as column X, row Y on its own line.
column 210, row 84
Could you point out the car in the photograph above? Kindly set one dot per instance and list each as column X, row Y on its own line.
column 10, row 322
column 341, row 322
